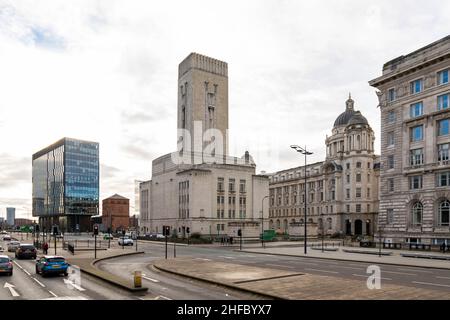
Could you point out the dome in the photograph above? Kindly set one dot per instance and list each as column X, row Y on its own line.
column 344, row 117
column 358, row 118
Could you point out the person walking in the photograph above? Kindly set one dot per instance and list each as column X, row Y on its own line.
column 45, row 247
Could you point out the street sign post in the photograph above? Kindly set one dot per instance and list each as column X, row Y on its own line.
column 240, row 239
column 188, row 231
column 95, row 240
column 166, row 231
column 55, row 231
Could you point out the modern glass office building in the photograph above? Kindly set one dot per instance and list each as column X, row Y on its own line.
column 66, row 184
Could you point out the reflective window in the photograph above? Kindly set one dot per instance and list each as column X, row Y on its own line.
column 417, row 211
column 444, row 213
column 442, row 101
column 443, row 76
column 443, row 127
column 416, row 110
column 416, row 86
column 417, row 133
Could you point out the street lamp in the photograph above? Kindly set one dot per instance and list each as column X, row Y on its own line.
column 306, row 153
column 322, row 228
column 262, row 221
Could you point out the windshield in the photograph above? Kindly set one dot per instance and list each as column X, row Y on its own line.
column 4, row 260
column 27, row 247
column 56, row 260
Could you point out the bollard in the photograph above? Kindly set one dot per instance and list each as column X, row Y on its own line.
column 138, row 279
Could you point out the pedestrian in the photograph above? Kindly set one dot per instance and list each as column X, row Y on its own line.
column 231, row 240
column 45, row 247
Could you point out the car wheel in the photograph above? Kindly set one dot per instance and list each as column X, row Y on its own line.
column 11, row 273
column 66, row 274
column 37, row 270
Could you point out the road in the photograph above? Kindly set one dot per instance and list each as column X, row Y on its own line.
column 418, row 277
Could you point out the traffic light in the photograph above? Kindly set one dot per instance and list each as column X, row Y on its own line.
column 36, row 228
column 95, row 230
column 239, row 233
column 55, row 230
column 123, row 232
column 166, row 230
column 187, row 230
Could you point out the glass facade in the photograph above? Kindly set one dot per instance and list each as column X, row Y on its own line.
column 66, row 184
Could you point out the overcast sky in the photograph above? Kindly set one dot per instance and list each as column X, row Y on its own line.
column 107, row 71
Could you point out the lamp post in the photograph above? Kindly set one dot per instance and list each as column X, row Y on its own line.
column 262, row 221
column 322, row 228
column 306, row 153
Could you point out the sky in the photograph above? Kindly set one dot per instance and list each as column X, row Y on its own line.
column 106, row 71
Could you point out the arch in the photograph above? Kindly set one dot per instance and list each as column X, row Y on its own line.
column 330, row 223
column 416, row 213
column 271, row 224
column 358, row 227
column 278, row 224
column 444, row 213
column 358, row 142
column 285, row 225
column 292, row 220
column 348, row 227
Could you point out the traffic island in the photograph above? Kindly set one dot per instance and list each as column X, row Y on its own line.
column 278, row 284
column 87, row 265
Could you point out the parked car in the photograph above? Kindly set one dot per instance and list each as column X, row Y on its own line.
column 13, row 245
column 3, row 232
column 6, row 237
column 26, row 251
column 108, row 236
column 51, row 264
column 6, row 265
column 125, row 241
column 1, row 249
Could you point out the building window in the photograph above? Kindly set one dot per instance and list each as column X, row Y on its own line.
column 358, row 177
column 417, row 133
column 417, row 211
column 347, row 193
column 321, row 196
column 391, row 94
column 416, row 86
column 416, row 109
column 443, row 127
column 368, row 192
column 443, row 179
column 415, row 182
column 390, row 162
column 348, row 166
column 242, row 186
column 358, row 208
column 358, row 192
column 358, row 164
column 390, row 138
column 442, row 101
column 391, row 116
column 391, row 185
column 416, row 157
column 220, row 185
column 368, row 208
column 444, row 213
column 231, row 187
column 443, row 153
column 348, row 178
column 368, row 177
column 333, row 195
column 443, row 77
column 390, row 216
column 348, row 208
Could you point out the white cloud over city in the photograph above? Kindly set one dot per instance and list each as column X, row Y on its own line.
column 107, row 71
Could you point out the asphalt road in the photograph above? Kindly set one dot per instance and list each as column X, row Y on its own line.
column 26, row 284
column 418, row 277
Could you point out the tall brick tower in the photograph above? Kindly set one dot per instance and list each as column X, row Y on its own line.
column 203, row 100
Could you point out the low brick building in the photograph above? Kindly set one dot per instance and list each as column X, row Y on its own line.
column 116, row 213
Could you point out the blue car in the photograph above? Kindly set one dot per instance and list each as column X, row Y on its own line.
column 51, row 265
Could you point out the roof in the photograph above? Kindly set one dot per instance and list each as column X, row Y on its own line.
column 358, row 118
column 350, row 116
column 117, row 197
column 53, row 257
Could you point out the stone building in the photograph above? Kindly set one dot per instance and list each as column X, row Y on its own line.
column 200, row 188
column 116, row 213
column 414, row 99
column 342, row 191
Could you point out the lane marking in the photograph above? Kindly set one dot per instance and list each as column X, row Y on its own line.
column 29, row 274
column 40, row 283
column 226, row 257
column 17, row 264
column 204, row 259
column 443, row 277
column 394, row 272
column 164, row 297
column 74, row 285
column 53, row 294
column 11, row 289
column 367, row 276
column 153, row 280
column 318, row 270
column 432, row 284
column 278, row 265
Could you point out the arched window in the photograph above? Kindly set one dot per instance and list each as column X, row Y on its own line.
column 358, row 142
column 330, row 222
column 417, row 212
column 271, row 224
column 183, row 117
column 285, row 225
column 278, row 224
column 444, row 213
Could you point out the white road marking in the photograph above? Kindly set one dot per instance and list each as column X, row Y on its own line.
column 29, row 274
column 415, row 270
column 203, row 259
column 74, row 285
column 394, row 272
column 40, row 283
column 367, row 276
column 153, row 280
column 443, row 277
column 318, row 270
column 17, row 264
column 278, row 265
column 164, row 297
column 432, row 284
column 53, row 294
column 226, row 257
column 11, row 289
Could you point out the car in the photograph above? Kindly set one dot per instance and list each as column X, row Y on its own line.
column 108, row 236
column 51, row 265
column 6, row 237
column 13, row 245
column 3, row 232
column 124, row 241
column 26, row 251
column 1, row 249
column 6, row 265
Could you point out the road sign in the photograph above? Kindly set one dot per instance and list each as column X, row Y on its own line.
column 96, row 230
column 239, row 233
column 166, row 231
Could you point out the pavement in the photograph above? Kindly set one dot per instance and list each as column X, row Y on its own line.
column 281, row 284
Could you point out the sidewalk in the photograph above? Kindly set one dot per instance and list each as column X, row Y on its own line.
column 279, row 284
column 395, row 258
